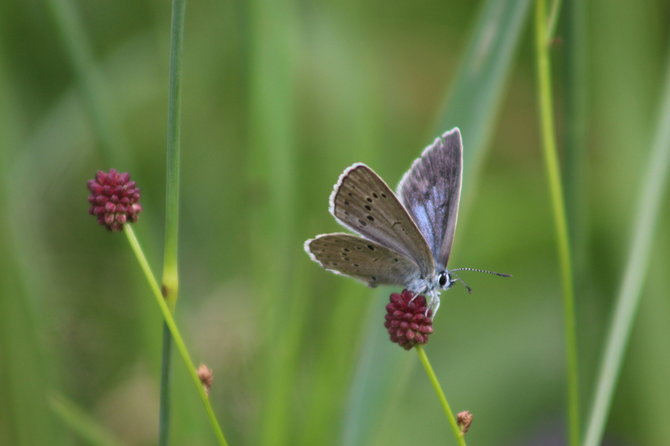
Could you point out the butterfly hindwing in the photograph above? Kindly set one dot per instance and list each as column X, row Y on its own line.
column 431, row 191
column 362, row 202
column 361, row 259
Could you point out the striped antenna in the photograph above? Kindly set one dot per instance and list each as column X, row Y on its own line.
column 481, row 271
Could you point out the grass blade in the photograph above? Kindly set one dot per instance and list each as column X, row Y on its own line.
column 170, row 279
column 271, row 172
column 81, row 422
column 29, row 366
column 649, row 203
column 91, row 82
column 477, row 91
column 575, row 134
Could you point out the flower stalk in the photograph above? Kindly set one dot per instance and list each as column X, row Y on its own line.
column 174, row 331
column 458, row 434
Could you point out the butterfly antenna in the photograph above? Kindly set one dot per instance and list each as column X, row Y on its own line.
column 458, row 279
column 481, row 271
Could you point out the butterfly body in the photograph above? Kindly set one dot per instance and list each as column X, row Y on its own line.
column 403, row 239
column 431, row 287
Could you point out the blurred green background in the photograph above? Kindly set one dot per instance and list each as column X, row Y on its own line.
column 278, row 98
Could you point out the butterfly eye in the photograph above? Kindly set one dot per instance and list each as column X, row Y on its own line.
column 443, row 279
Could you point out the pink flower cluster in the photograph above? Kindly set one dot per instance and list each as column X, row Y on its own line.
column 408, row 320
column 114, row 199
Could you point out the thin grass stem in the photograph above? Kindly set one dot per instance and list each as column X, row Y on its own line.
column 174, row 331
column 164, row 409
column 655, row 180
column 460, row 438
column 575, row 158
column 560, row 220
column 170, row 280
column 170, row 256
column 552, row 21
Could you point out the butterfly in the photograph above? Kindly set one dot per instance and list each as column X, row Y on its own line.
column 404, row 239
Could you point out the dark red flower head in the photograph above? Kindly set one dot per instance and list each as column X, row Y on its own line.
column 114, row 199
column 408, row 320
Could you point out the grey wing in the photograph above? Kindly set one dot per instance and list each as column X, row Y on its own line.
column 362, row 202
column 431, row 191
column 363, row 260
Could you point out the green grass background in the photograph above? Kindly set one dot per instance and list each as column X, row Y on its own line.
column 278, row 98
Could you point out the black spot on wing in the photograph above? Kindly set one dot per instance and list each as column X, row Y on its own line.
column 365, row 204
column 362, row 259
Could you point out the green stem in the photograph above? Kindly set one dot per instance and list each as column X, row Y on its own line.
column 174, row 331
column 650, row 200
column 440, row 394
column 164, row 411
column 560, row 221
column 170, row 279
column 575, row 154
column 553, row 20
column 170, row 256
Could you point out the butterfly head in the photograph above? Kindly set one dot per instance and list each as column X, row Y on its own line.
column 445, row 280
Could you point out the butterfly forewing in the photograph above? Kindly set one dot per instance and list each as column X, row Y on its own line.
column 362, row 202
column 361, row 259
column 431, row 192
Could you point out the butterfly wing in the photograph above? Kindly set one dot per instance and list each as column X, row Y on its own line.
column 362, row 202
column 431, row 191
column 361, row 259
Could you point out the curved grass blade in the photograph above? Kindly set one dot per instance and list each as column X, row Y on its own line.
column 654, row 186
column 93, row 87
column 373, row 388
column 81, row 422
column 271, row 170
column 477, row 91
column 472, row 105
column 28, row 364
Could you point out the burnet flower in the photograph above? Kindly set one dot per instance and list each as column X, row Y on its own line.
column 114, row 199
column 408, row 319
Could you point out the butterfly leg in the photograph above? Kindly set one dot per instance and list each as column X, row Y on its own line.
column 458, row 279
column 435, row 306
column 417, row 290
column 433, row 302
column 432, row 298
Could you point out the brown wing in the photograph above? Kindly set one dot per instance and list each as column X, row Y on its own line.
column 431, row 191
column 363, row 260
column 362, row 202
